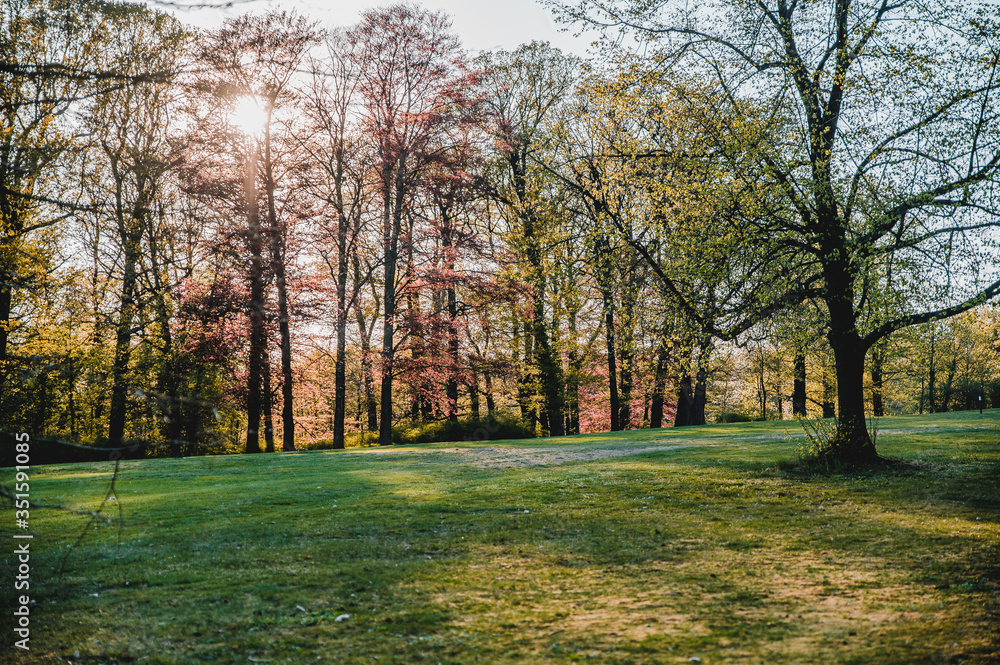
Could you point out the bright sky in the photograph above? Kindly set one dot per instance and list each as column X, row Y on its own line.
column 481, row 24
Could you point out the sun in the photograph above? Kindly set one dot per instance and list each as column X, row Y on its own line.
column 248, row 115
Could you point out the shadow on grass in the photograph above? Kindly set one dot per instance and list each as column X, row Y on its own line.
column 431, row 558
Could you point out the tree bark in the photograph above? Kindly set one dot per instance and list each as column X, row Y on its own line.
column 625, row 374
column 852, row 444
column 878, row 359
column 123, row 347
column 451, row 387
column 659, row 388
column 474, row 395
column 268, row 404
column 256, row 305
column 573, row 380
column 278, row 266
column 371, row 404
column 392, row 219
column 340, row 363
column 609, row 340
column 490, row 403
column 685, row 401
column 700, row 398
column 130, row 227
column 799, row 384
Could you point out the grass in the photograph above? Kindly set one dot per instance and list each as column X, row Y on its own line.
column 645, row 547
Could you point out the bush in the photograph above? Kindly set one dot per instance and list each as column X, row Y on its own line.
column 993, row 393
column 732, row 417
column 351, row 440
column 491, row 428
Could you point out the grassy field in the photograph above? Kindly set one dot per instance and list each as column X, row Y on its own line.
column 657, row 546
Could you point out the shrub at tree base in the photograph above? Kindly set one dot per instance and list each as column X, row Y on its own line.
column 491, row 428
column 732, row 417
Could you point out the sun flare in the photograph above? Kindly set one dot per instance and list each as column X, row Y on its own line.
column 248, row 115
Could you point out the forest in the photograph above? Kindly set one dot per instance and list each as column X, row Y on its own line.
column 276, row 235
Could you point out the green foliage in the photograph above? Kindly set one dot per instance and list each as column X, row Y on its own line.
column 732, row 417
column 993, row 393
column 818, row 450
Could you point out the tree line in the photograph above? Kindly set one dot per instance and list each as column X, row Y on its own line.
column 210, row 234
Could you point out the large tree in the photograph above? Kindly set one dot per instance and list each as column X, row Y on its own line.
column 411, row 75
column 128, row 127
column 525, row 90
column 250, row 63
column 887, row 151
column 48, row 52
column 338, row 180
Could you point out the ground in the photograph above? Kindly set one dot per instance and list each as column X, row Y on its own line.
column 658, row 546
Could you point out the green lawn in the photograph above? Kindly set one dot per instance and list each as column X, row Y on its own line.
column 647, row 547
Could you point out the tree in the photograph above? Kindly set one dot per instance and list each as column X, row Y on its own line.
column 648, row 172
column 250, row 63
column 128, row 125
column 338, row 180
column 44, row 48
column 411, row 70
column 888, row 153
column 524, row 90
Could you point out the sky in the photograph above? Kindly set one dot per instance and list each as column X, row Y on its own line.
column 481, row 24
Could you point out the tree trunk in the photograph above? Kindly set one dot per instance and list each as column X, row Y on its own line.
column 700, row 398
column 392, row 220
column 878, row 358
column 799, row 384
column 574, row 364
column 474, row 395
column 609, row 339
column 340, row 368
column 932, row 375
column 684, row 401
column 625, row 374
column 268, row 405
column 284, row 332
column 256, row 306
column 852, row 445
column 451, row 386
column 123, row 346
column 365, row 332
column 828, row 406
column 659, row 387
column 41, row 407
column 130, row 227
column 524, row 379
column 761, row 385
column 168, row 381
column 490, row 403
